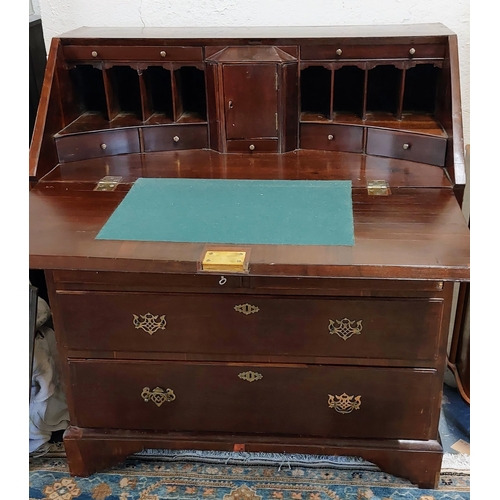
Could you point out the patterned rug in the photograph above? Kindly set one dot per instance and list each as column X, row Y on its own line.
column 142, row 479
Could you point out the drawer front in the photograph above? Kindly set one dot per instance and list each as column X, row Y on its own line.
column 251, row 325
column 341, row 51
column 168, row 138
column 133, row 53
column 331, row 137
column 97, row 144
column 253, row 146
column 422, row 149
column 278, row 399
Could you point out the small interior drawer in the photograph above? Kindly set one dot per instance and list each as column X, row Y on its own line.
column 172, row 137
column 131, row 53
column 252, row 146
column 328, row 401
column 331, row 137
column 97, row 144
column 406, row 146
column 341, row 50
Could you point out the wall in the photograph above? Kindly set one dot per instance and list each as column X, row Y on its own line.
column 59, row 16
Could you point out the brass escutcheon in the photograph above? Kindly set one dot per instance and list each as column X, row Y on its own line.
column 149, row 323
column 246, row 309
column 250, row 376
column 158, row 395
column 345, row 328
column 344, row 403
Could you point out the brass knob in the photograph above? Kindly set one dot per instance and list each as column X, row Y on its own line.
column 103, row 146
column 251, row 147
column 330, row 137
column 338, row 52
column 406, row 146
column 176, row 138
column 411, row 51
column 163, row 53
column 94, row 53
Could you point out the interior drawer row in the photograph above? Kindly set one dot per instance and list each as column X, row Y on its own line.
column 251, row 325
column 279, row 399
column 335, row 50
column 127, row 140
column 379, row 142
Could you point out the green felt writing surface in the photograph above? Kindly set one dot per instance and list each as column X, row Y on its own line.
column 234, row 212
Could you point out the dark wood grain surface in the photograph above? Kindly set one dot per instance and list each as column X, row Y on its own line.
column 413, row 233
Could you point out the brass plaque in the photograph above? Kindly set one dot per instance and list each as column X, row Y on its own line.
column 228, row 261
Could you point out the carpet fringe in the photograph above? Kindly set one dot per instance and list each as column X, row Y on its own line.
column 452, row 462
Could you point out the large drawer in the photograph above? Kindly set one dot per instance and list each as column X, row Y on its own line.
column 280, row 399
column 413, row 147
column 172, row 137
column 97, row 144
column 406, row 329
column 131, row 53
column 331, row 137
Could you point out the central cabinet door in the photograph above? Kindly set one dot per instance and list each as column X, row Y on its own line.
column 251, row 100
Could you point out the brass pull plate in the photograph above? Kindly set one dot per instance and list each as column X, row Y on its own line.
column 344, row 403
column 158, row 395
column 345, row 328
column 149, row 322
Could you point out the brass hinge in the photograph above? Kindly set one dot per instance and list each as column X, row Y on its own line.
column 108, row 183
column 378, row 188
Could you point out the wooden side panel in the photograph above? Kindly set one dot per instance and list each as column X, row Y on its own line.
column 449, row 114
column 214, row 120
column 49, row 119
column 290, row 91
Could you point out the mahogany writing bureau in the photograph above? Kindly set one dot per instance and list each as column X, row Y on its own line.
column 299, row 348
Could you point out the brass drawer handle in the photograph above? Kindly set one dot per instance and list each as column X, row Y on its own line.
column 104, row 146
column 345, row 328
column 330, row 137
column 406, row 145
column 163, row 53
column 344, row 403
column 94, row 53
column 412, row 51
column 250, row 376
column 176, row 138
column 246, row 309
column 158, row 395
column 338, row 52
column 149, row 323
column 251, row 147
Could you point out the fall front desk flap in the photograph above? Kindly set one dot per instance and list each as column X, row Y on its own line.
column 273, row 212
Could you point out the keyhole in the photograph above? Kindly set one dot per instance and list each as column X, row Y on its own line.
column 230, row 104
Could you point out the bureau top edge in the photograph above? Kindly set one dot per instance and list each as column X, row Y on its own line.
column 430, row 32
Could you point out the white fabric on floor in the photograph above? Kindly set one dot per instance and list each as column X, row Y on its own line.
column 48, row 411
